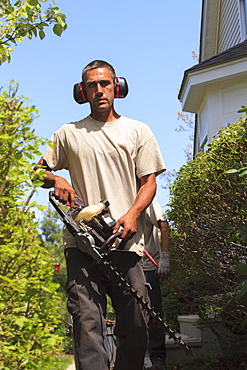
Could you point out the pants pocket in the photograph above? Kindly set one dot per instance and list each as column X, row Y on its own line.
column 73, row 304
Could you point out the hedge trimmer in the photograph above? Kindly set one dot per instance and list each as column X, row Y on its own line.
column 93, row 233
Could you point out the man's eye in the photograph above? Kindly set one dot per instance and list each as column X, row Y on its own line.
column 104, row 83
column 91, row 84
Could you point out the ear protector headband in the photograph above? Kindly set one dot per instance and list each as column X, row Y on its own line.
column 120, row 90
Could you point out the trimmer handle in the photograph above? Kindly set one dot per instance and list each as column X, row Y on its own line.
column 52, row 199
column 108, row 243
column 78, row 202
column 68, row 221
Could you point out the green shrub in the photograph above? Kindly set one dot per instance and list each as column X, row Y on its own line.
column 28, row 305
column 208, row 215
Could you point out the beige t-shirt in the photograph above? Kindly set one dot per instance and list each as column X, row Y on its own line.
column 104, row 161
column 153, row 214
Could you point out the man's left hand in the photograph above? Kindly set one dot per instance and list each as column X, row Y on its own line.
column 164, row 265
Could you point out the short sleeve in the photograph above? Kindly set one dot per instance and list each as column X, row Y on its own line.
column 55, row 155
column 155, row 213
column 149, row 158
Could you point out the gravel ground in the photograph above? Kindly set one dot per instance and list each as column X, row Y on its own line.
column 71, row 367
column 147, row 364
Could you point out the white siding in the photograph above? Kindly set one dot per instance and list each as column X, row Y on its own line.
column 209, row 29
column 229, row 25
column 219, row 107
column 243, row 18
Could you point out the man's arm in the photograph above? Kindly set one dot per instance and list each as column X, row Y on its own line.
column 164, row 236
column 164, row 260
column 143, row 199
column 63, row 191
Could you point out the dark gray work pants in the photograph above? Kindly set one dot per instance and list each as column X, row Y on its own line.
column 86, row 287
column 156, row 346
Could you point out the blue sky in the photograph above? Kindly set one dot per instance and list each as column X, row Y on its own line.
column 148, row 42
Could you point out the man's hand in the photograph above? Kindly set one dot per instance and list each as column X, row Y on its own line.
column 143, row 199
column 128, row 222
column 63, row 191
column 164, row 265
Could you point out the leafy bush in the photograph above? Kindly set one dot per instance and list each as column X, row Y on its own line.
column 52, row 240
column 208, row 213
column 211, row 362
column 28, row 314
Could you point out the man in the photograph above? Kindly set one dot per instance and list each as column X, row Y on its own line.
column 107, row 155
column 159, row 251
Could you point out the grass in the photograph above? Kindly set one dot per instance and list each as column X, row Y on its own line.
column 65, row 361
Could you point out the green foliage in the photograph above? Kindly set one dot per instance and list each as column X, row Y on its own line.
column 208, row 212
column 243, row 109
column 51, row 236
column 62, row 363
column 242, row 287
column 51, row 233
column 211, row 362
column 27, row 18
column 19, row 147
column 52, row 240
column 28, row 314
column 241, row 171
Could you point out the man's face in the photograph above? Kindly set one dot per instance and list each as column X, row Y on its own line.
column 99, row 86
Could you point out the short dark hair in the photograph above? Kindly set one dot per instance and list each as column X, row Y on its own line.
column 98, row 64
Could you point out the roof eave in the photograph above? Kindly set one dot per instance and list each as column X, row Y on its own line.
column 195, row 81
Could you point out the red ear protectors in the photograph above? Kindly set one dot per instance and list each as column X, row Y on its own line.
column 121, row 87
column 121, row 90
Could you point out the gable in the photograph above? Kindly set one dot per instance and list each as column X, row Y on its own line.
column 223, row 25
column 209, row 28
column 229, row 25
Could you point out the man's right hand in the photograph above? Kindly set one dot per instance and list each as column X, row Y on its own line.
column 63, row 191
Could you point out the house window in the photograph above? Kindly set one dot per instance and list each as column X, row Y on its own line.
column 204, row 144
column 243, row 18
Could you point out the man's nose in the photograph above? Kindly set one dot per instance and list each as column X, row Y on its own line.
column 98, row 88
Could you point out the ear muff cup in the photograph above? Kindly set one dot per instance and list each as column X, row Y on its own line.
column 121, row 87
column 79, row 93
column 120, row 91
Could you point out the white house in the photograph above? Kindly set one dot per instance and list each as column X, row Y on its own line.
column 216, row 88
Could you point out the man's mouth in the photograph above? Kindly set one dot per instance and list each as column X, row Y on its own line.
column 101, row 100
